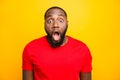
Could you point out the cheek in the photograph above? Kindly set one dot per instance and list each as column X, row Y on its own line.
column 63, row 27
column 48, row 29
column 48, row 26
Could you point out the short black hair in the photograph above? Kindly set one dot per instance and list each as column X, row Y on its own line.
column 55, row 7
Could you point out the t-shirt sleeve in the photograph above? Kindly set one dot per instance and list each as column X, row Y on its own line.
column 26, row 62
column 87, row 63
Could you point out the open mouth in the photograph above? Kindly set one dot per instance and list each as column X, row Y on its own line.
column 56, row 36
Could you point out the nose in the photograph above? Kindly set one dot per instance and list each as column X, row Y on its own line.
column 55, row 25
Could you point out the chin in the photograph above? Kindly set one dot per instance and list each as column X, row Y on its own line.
column 54, row 43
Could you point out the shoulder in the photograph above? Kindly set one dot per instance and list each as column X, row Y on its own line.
column 36, row 42
column 76, row 42
column 79, row 46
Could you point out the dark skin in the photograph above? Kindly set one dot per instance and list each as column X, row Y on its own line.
column 56, row 21
column 27, row 75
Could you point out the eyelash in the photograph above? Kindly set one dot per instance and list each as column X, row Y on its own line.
column 51, row 21
column 61, row 20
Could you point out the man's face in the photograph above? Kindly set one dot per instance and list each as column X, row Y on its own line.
column 55, row 26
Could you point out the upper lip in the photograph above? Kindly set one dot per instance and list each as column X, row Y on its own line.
column 55, row 30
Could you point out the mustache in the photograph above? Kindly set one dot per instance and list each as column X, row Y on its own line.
column 52, row 42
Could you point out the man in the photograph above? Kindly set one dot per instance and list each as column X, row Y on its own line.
column 56, row 56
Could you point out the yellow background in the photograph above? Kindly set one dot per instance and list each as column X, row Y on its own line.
column 95, row 22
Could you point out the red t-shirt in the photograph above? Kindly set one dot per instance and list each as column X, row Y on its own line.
column 61, row 63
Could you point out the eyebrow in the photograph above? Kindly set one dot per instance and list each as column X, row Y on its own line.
column 48, row 16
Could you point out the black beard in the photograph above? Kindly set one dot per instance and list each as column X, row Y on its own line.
column 56, row 44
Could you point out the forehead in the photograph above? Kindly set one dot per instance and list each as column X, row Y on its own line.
column 52, row 12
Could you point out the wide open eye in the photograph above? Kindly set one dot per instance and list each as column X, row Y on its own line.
column 50, row 21
column 61, row 20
